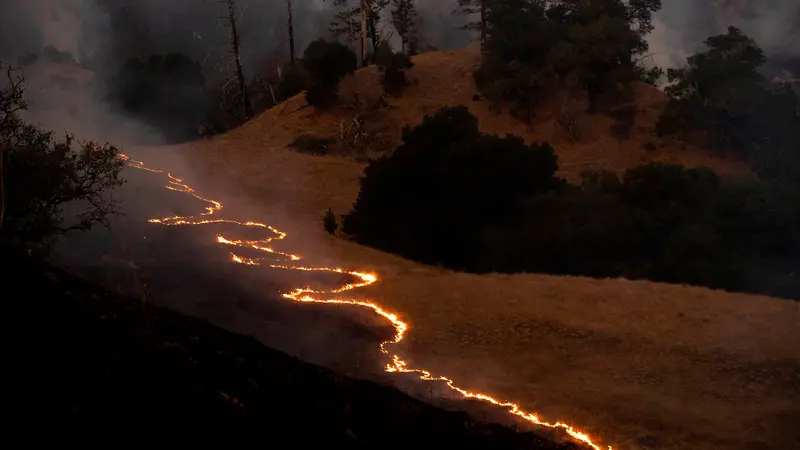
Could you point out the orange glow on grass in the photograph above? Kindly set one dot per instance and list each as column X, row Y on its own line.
column 395, row 363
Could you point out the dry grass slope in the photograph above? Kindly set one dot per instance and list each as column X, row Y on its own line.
column 639, row 364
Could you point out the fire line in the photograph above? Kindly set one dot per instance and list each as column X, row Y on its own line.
column 308, row 295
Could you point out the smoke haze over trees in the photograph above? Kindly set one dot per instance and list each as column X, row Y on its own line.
column 103, row 33
column 105, row 36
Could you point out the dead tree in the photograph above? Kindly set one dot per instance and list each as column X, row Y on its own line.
column 364, row 33
column 290, row 24
column 231, row 18
column 11, row 103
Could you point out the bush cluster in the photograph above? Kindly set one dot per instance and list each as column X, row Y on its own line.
column 470, row 201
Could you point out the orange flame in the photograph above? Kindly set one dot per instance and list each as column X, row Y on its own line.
column 396, row 364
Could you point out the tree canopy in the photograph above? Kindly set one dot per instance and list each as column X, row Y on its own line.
column 592, row 46
column 722, row 96
column 453, row 196
column 40, row 176
column 326, row 64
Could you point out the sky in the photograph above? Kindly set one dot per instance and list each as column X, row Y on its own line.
column 99, row 28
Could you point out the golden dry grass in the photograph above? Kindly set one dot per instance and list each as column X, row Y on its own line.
column 640, row 365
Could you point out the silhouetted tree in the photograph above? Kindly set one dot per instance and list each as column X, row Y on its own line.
column 471, row 7
column 430, row 198
column 722, row 94
column 533, row 48
column 40, row 175
column 370, row 14
column 326, row 64
column 235, row 44
column 404, row 19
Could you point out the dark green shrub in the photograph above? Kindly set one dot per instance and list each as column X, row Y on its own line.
column 434, row 194
column 49, row 186
column 394, row 69
column 329, row 222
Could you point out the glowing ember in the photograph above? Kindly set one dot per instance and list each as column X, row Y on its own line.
column 306, row 295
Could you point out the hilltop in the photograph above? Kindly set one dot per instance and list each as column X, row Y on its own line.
column 628, row 361
column 440, row 79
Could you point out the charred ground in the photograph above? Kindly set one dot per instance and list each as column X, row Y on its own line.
column 102, row 365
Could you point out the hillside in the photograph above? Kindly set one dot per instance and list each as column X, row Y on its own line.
column 94, row 359
column 445, row 79
column 636, row 364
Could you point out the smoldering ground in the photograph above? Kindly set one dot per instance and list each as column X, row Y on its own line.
column 182, row 268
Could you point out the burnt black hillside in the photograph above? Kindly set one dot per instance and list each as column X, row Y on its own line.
column 91, row 367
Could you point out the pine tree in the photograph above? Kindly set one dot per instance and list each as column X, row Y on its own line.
column 404, row 19
column 471, row 7
column 371, row 12
column 346, row 23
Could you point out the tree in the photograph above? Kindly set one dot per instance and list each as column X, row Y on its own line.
column 329, row 222
column 404, row 19
column 394, row 66
column 290, row 25
column 515, row 58
column 471, row 7
column 370, row 12
column 534, row 48
column 41, row 175
column 432, row 196
column 326, row 64
column 347, row 22
column 235, row 44
column 721, row 95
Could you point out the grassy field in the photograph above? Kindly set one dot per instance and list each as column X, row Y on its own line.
column 637, row 364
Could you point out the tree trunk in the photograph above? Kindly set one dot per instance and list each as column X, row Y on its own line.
column 483, row 26
column 248, row 109
column 373, row 35
column 364, row 33
column 291, row 32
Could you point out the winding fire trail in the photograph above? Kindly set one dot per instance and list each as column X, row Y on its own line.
column 307, row 295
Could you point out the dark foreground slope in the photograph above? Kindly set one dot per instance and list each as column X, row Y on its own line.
column 92, row 367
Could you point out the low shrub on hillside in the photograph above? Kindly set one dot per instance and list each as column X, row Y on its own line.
column 315, row 145
column 451, row 195
column 393, row 68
